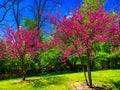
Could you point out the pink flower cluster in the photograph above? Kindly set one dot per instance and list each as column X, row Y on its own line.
column 21, row 42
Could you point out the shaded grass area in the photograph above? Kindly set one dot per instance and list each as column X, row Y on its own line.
column 109, row 79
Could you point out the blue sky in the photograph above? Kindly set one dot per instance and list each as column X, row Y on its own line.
column 63, row 9
column 109, row 5
column 112, row 5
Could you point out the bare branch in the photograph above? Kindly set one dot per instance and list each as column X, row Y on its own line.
column 6, row 7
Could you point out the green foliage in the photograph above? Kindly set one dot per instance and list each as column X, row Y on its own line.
column 49, row 56
column 73, row 60
column 91, row 4
column 102, row 2
column 102, row 51
column 50, row 61
column 104, row 56
column 29, row 23
column 113, row 13
column 11, row 66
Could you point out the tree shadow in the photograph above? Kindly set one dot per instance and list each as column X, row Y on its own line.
column 83, row 86
column 48, row 81
column 98, row 88
column 116, row 84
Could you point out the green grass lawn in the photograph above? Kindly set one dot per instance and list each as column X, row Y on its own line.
column 106, row 78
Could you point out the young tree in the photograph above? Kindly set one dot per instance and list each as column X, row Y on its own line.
column 2, row 49
column 22, row 44
column 77, row 35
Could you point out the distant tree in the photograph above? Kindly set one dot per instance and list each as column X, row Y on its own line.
column 102, row 2
column 31, row 24
column 92, row 4
column 41, row 9
column 22, row 44
column 16, row 11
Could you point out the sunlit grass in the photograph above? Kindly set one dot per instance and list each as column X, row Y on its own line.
column 106, row 78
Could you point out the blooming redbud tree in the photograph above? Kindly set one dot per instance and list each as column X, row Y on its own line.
column 22, row 43
column 78, row 34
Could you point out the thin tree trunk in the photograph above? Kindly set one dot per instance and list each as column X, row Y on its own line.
column 89, row 70
column 84, row 71
column 23, row 70
column 23, row 76
column 85, row 76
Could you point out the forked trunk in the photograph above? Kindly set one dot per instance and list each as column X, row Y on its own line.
column 84, row 71
column 89, row 69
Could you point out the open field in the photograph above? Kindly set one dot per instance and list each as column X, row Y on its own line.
column 106, row 78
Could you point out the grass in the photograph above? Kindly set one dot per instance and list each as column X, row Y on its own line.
column 106, row 78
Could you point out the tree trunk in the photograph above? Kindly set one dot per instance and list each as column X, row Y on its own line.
column 89, row 73
column 23, row 70
column 85, row 76
column 24, row 73
column 89, row 68
column 84, row 71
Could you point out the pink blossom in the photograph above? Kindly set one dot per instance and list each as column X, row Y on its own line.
column 83, row 30
column 22, row 42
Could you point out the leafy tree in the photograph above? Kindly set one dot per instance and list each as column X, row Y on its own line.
column 22, row 44
column 91, row 4
column 50, row 59
column 31, row 24
column 77, row 35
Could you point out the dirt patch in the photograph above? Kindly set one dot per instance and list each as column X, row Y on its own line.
column 79, row 86
column 26, row 81
column 83, row 86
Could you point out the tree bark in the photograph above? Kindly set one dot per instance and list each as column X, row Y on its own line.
column 23, row 70
column 89, row 69
column 84, row 71
column 24, row 73
column 89, row 72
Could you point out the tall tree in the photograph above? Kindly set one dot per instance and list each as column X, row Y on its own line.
column 77, row 35
column 16, row 11
column 41, row 9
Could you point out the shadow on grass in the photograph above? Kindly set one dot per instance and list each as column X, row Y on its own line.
column 112, row 85
column 116, row 84
column 48, row 81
